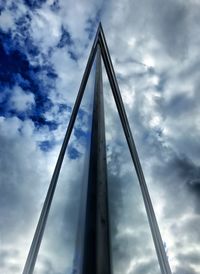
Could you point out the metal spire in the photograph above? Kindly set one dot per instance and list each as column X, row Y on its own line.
column 97, row 219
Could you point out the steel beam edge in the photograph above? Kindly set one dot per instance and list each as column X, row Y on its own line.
column 161, row 254
column 35, row 245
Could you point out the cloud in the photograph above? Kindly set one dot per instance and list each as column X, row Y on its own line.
column 6, row 20
column 19, row 175
column 46, row 28
column 21, row 101
column 155, row 49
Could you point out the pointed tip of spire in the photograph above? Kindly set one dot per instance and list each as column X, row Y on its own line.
column 100, row 25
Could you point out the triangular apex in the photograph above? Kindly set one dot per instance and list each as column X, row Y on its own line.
column 34, row 249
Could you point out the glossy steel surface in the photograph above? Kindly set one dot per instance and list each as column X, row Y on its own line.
column 96, row 257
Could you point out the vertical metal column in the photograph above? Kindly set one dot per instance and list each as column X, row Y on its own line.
column 96, row 257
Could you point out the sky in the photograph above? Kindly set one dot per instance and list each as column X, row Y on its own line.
column 154, row 46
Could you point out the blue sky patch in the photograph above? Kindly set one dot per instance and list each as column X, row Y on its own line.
column 16, row 70
column 55, row 6
column 46, row 145
column 34, row 4
column 72, row 152
column 66, row 40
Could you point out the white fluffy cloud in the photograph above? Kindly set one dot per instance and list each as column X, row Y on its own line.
column 6, row 20
column 155, row 48
column 21, row 100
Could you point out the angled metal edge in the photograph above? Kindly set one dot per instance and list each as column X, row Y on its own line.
column 35, row 245
column 161, row 254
